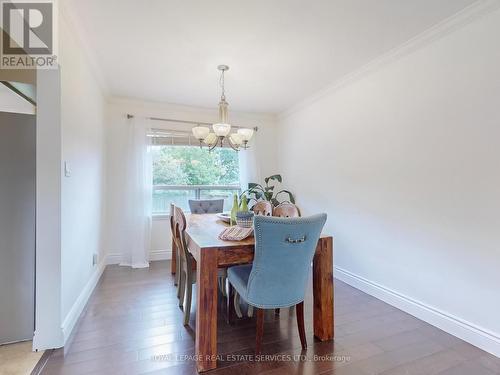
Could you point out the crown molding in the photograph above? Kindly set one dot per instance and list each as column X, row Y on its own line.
column 449, row 25
column 67, row 14
column 158, row 106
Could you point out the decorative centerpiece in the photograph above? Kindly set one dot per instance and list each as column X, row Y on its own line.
column 234, row 210
column 244, row 219
column 240, row 215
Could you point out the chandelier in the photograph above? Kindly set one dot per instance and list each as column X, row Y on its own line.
column 222, row 129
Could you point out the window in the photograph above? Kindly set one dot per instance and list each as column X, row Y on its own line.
column 188, row 172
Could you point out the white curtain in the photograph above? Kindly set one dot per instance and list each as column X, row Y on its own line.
column 137, row 205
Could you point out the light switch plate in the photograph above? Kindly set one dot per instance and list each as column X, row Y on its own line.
column 67, row 169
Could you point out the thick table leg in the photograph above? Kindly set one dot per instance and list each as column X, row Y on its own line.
column 323, row 289
column 173, row 264
column 206, row 310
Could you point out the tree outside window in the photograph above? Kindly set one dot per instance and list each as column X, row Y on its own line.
column 187, row 166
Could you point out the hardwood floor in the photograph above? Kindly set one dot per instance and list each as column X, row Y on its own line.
column 133, row 325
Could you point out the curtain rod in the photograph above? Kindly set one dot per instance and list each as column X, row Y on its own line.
column 129, row 116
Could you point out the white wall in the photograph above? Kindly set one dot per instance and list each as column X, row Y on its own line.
column 48, row 333
column 405, row 160
column 82, row 196
column 256, row 163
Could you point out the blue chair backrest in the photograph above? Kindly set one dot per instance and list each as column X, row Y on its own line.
column 206, row 206
column 284, row 249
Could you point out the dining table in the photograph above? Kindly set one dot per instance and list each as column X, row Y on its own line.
column 212, row 253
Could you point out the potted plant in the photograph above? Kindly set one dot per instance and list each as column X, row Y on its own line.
column 256, row 192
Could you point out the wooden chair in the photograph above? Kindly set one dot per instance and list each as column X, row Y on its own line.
column 187, row 265
column 263, row 208
column 172, row 229
column 286, row 210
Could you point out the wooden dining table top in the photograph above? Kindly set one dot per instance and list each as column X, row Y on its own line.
column 204, row 230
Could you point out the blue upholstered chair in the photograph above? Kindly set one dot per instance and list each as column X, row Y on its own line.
column 265, row 208
column 206, row 206
column 284, row 249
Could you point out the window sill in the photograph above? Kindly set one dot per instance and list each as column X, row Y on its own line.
column 158, row 217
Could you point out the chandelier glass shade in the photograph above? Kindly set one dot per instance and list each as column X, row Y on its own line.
column 221, row 129
column 245, row 134
column 210, row 139
column 200, row 132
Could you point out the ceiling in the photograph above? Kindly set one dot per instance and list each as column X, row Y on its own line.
column 279, row 51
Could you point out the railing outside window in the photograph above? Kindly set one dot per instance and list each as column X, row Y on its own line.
column 179, row 195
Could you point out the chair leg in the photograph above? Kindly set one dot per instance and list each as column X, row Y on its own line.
column 222, row 285
column 230, row 304
column 189, row 293
column 276, row 311
column 237, row 307
column 178, row 275
column 300, row 323
column 260, row 331
column 177, row 269
column 250, row 311
column 182, row 288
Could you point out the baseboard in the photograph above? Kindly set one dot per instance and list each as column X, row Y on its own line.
column 114, row 258
column 51, row 338
column 77, row 308
column 473, row 334
column 154, row 255
column 160, row 255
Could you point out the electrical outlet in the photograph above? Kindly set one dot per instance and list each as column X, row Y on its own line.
column 94, row 259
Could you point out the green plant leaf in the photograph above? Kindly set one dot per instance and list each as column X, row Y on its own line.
column 275, row 202
column 276, row 177
column 253, row 185
column 290, row 195
column 250, row 199
column 248, row 191
column 268, row 195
